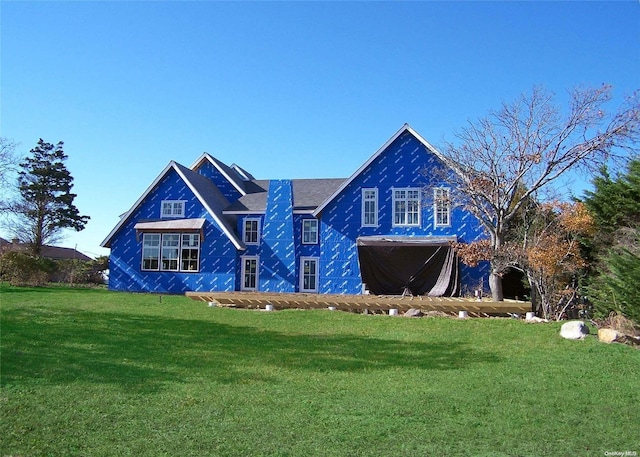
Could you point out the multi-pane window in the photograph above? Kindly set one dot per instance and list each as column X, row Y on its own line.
column 150, row 251
column 369, row 207
column 251, row 230
column 406, row 207
column 190, row 252
column 309, row 274
column 171, row 251
column 249, row 273
column 309, row 231
column 442, row 207
column 172, row 208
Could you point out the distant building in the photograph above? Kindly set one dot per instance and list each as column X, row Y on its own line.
column 50, row 252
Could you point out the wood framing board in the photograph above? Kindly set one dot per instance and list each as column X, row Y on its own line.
column 451, row 305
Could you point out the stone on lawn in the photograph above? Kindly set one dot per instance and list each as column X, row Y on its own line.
column 574, row 330
column 608, row 335
column 413, row 313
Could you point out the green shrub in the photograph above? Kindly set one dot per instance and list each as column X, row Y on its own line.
column 23, row 269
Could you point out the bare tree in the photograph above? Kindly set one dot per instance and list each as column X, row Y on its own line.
column 502, row 161
column 8, row 166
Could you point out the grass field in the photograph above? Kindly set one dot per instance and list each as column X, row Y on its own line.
column 96, row 373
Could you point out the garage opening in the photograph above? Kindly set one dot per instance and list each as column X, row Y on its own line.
column 395, row 265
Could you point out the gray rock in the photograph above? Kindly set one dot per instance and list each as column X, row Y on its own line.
column 413, row 313
column 574, row 330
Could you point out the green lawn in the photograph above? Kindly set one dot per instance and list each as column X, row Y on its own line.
column 96, row 373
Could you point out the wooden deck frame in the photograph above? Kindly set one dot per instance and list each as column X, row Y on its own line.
column 360, row 303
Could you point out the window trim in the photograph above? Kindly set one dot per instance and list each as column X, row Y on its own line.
column 406, row 212
column 244, row 230
column 182, row 204
column 160, row 248
column 316, row 275
column 156, row 248
column 438, row 201
column 170, row 248
column 317, row 231
column 243, row 259
column 190, row 248
column 363, row 208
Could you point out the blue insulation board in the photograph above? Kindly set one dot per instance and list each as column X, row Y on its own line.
column 404, row 164
column 277, row 271
column 208, row 170
column 217, row 256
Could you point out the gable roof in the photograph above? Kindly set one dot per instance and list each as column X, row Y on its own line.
column 49, row 252
column 307, row 195
column 58, row 252
column 230, row 173
column 403, row 129
column 204, row 190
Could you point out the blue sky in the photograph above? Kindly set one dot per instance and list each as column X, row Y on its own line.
column 284, row 89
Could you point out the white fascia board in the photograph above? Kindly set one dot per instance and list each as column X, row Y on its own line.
column 343, row 186
column 125, row 217
column 426, row 144
column 364, row 166
column 236, row 242
column 209, row 157
column 303, row 211
column 240, row 213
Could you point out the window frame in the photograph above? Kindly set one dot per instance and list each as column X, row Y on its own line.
column 438, row 209
column 364, row 210
column 245, row 232
column 315, row 274
column 172, row 214
column 170, row 250
column 190, row 248
column 165, row 253
column 317, row 231
column 155, row 247
column 407, row 204
column 243, row 272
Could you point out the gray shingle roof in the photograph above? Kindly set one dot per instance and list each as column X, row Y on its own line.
column 213, row 198
column 231, row 173
column 50, row 252
column 308, row 194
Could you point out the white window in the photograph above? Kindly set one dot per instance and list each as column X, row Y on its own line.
column 150, row 251
column 171, row 252
column 308, row 274
column 309, row 231
column 190, row 252
column 441, row 207
column 406, row 207
column 249, row 273
column 172, row 208
column 251, row 230
column 369, row 207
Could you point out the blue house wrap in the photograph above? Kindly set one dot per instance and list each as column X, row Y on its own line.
column 213, row 227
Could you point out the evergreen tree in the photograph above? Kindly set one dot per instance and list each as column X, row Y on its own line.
column 615, row 203
column 615, row 206
column 45, row 204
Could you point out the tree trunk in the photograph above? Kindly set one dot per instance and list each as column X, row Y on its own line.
column 495, row 284
column 495, row 279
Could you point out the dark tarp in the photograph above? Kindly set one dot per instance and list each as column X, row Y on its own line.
column 401, row 265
